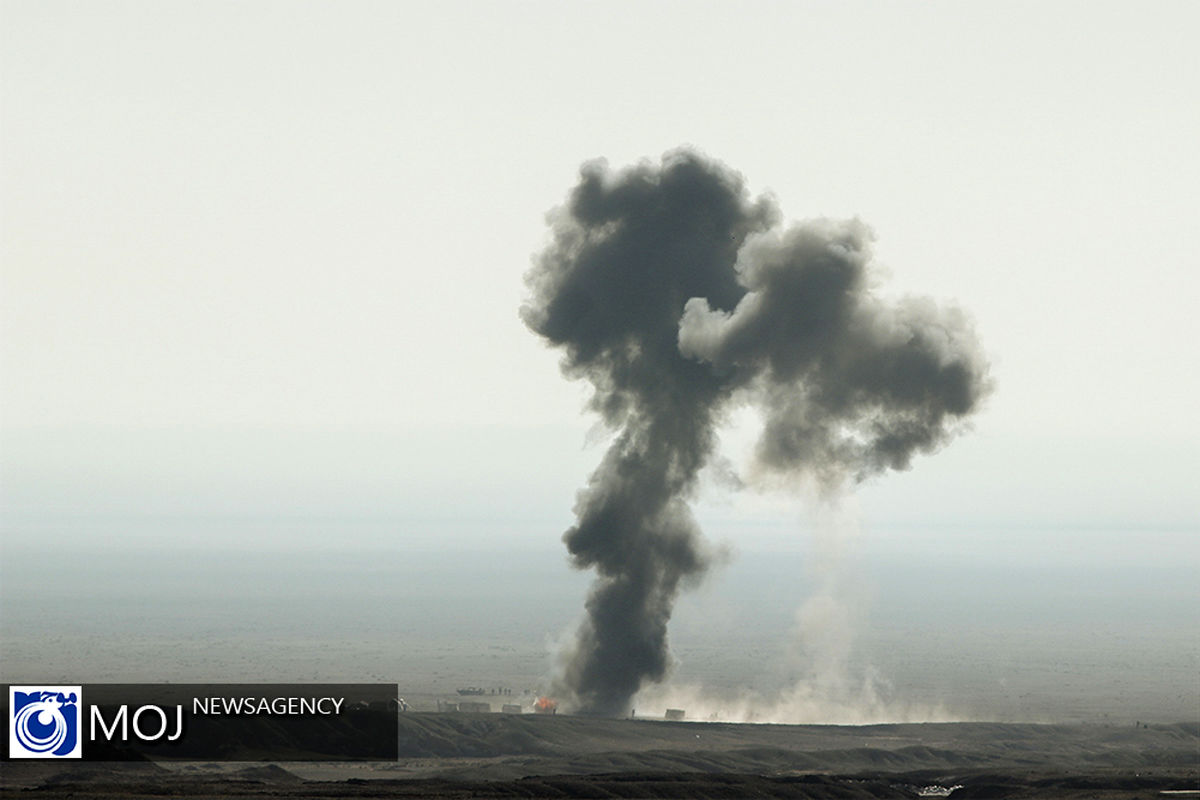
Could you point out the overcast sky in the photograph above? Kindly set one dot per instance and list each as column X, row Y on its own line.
column 267, row 257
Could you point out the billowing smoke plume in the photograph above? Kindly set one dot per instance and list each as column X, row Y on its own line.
column 672, row 293
column 848, row 384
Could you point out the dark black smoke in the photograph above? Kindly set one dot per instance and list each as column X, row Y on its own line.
column 672, row 292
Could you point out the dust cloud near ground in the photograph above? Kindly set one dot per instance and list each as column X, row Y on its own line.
column 1077, row 683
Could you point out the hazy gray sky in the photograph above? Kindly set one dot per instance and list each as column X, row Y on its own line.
column 267, row 257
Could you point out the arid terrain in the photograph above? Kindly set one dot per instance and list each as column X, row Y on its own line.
column 493, row 755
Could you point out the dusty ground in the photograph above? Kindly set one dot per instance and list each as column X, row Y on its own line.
column 452, row 755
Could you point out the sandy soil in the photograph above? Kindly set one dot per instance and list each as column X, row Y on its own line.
column 465, row 755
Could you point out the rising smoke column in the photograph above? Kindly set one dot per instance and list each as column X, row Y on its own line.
column 628, row 251
column 672, row 292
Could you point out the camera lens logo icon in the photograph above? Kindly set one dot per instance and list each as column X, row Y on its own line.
column 44, row 721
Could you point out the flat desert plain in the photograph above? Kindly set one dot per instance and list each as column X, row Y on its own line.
column 560, row 756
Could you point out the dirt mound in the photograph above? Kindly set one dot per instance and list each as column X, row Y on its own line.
column 267, row 773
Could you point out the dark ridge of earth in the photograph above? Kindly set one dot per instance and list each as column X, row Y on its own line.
column 497, row 756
